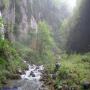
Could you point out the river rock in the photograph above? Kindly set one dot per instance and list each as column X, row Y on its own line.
column 65, row 87
column 13, row 76
column 53, row 76
column 32, row 74
column 37, row 67
column 26, row 68
column 43, row 86
column 23, row 71
column 4, row 82
column 86, row 85
column 19, row 71
column 41, row 79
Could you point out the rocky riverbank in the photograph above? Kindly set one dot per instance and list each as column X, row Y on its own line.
column 29, row 79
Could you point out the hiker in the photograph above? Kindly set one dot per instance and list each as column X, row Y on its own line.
column 57, row 64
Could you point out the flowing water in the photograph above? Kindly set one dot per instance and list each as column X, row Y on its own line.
column 30, row 80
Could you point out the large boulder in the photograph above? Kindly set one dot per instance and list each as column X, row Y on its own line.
column 32, row 74
column 54, row 76
column 19, row 71
column 86, row 85
column 13, row 76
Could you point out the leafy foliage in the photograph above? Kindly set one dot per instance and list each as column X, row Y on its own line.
column 74, row 69
column 10, row 60
column 45, row 41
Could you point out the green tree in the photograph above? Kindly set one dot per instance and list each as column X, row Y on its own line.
column 45, row 41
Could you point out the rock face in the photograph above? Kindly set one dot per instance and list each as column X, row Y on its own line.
column 17, row 16
column 86, row 85
column 1, row 27
column 8, row 12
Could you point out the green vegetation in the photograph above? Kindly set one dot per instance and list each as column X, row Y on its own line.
column 74, row 71
column 40, row 47
column 10, row 60
column 45, row 42
column 58, row 32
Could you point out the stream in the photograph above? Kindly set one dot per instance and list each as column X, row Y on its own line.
column 29, row 81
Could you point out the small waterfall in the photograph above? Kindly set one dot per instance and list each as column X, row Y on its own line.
column 32, row 76
column 34, row 72
column 30, row 80
column 33, row 24
column 34, row 28
column 1, row 27
column 0, row 14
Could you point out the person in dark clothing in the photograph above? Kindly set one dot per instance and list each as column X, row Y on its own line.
column 57, row 64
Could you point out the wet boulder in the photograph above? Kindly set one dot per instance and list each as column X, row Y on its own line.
column 86, row 85
column 4, row 82
column 65, row 87
column 41, row 78
column 23, row 71
column 37, row 67
column 32, row 74
column 26, row 68
column 19, row 71
column 40, row 71
column 13, row 76
column 54, row 76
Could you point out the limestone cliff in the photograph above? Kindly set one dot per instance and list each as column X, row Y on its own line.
column 17, row 16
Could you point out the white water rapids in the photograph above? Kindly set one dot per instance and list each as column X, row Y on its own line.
column 36, row 71
column 30, row 80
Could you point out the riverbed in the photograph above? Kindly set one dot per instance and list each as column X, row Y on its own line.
column 30, row 80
